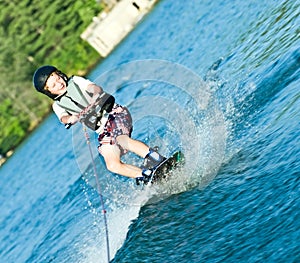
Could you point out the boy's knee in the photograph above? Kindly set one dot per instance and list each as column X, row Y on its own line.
column 123, row 141
column 113, row 166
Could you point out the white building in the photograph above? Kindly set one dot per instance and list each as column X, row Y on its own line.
column 108, row 29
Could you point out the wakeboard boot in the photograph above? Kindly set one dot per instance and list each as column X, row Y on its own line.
column 153, row 159
column 147, row 176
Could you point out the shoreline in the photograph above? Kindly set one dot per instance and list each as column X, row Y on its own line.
column 10, row 153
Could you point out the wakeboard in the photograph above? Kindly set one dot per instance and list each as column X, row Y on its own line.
column 164, row 169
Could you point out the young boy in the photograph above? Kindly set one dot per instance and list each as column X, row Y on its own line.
column 78, row 99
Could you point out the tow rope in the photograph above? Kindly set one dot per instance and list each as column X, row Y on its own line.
column 87, row 137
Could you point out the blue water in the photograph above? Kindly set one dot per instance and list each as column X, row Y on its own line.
column 218, row 80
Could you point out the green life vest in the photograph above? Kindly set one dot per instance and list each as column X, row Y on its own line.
column 76, row 101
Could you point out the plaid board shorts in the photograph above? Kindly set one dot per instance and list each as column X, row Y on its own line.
column 119, row 123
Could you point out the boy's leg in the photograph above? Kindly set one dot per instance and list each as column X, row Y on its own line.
column 111, row 155
column 132, row 145
column 152, row 157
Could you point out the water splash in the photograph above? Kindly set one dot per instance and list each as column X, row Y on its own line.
column 173, row 108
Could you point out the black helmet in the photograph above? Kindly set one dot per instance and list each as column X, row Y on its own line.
column 40, row 78
column 41, row 75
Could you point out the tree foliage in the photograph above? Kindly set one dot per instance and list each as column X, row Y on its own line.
column 35, row 33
